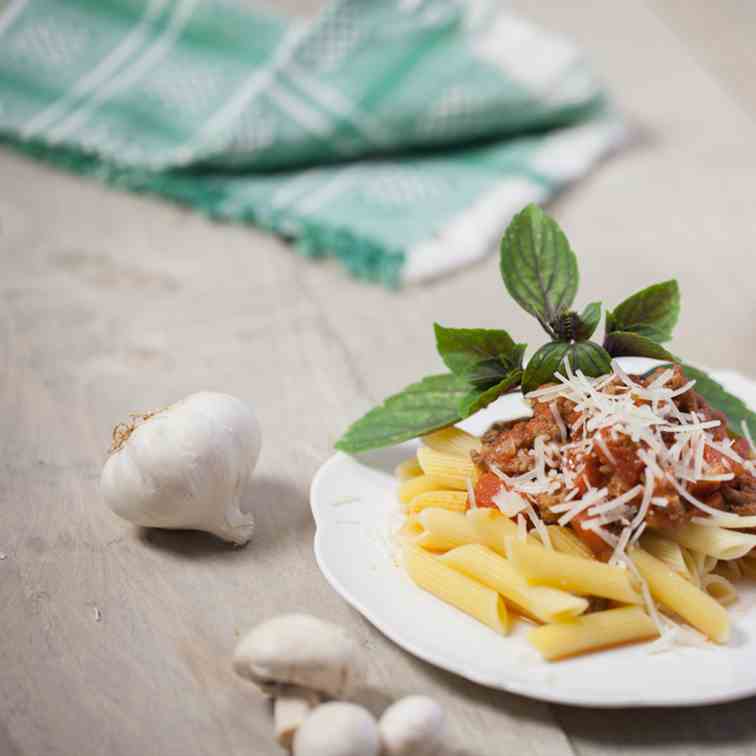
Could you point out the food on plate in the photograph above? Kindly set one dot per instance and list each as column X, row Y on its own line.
column 188, row 466
column 615, row 492
column 622, row 507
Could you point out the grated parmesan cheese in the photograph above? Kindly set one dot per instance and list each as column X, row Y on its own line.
column 672, row 447
column 509, row 502
column 592, row 497
column 554, row 409
column 541, row 529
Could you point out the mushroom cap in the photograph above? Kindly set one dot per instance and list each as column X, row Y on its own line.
column 298, row 649
column 413, row 726
column 338, row 729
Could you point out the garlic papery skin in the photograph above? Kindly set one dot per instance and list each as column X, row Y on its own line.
column 188, row 466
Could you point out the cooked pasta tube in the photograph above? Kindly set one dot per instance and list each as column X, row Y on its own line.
column 440, row 529
column 570, row 573
column 412, row 487
column 494, row 529
column 666, row 551
column 466, row 594
column 592, row 632
column 488, row 568
column 453, row 500
column 451, row 470
column 565, row 541
column 695, row 606
column 714, row 541
column 408, row 469
column 452, row 441
column 693, row 565
column 728, row 520
column 720, row 589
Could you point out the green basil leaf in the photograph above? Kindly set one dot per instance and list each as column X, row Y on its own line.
column 591, row 358
column 587, row 356
column 718, row 397
column 609, row 324
column 625, row 344
column 652, row 312
column 588, row 321
column 423, row 407
column 543, row 364
column 538, row 266
column 476, row 399
column 481, row 356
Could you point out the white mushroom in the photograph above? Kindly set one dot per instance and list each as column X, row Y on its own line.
column 298, row 659
column 413, row 726
column 338, row 729
column 188, row 466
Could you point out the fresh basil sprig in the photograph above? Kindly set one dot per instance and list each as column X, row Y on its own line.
column 591, row 358
column 538, row 266
column 423, row 407
column 476, row 399
column 628, row 344
column 587, row 321
column 736, row 409
column 480, row 356
column 540, row 272
column 652, row 312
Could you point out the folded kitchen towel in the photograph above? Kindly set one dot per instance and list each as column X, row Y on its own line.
column 396, row 135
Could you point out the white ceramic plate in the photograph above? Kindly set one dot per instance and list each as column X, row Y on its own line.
column 354, row 504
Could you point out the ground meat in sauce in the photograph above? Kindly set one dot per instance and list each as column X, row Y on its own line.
column 508, row 447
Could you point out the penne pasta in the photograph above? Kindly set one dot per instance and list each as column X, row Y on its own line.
column 452, row 500
column 492, row 528
column 694, row 605
column 693, row 564
column 462, row 592
column 720, row 589
column 412, row 487
column 410, row 530
column 492, row 570
column 451, row 470
column 408, row 469
column 727, row 520
column 570, row 573
column 666, row 551
column 441, row 529
column 716, row 542
column 592, row 632
column 565, row 541
column 452, row 441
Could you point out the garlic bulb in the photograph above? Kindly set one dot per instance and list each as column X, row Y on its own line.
column 188, row 466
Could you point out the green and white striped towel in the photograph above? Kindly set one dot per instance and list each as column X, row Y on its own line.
column 396, row 135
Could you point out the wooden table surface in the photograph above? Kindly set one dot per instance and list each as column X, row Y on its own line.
column 115, row 640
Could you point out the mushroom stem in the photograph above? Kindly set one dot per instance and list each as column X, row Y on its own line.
column 290, row 708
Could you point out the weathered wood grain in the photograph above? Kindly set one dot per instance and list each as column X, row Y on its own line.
column 116, row 640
